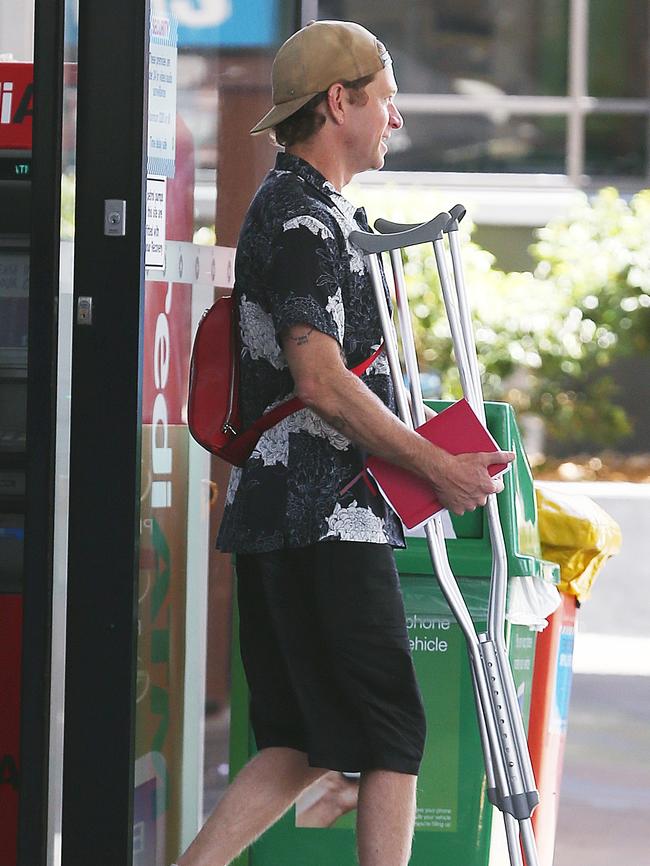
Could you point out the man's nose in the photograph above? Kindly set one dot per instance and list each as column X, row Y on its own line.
column 395, row 119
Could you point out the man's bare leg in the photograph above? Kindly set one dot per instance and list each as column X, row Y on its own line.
column 386, row 818
column 260, row 794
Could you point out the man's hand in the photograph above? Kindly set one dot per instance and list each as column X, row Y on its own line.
column 463, row 482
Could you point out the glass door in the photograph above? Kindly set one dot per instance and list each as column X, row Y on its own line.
column 209, row 75
column 163, row 171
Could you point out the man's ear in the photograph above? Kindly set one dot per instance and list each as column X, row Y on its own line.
column 336, row 103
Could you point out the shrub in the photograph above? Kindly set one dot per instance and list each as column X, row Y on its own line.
column 545, row 339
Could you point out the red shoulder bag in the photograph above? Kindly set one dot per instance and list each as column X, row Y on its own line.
column 213, row 404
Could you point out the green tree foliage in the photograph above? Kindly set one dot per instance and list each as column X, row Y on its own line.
column 546, row 339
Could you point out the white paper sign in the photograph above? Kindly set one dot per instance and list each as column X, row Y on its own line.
column 163, row 82
column 156, row 211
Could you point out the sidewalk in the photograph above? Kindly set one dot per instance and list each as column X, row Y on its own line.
column 605, row 795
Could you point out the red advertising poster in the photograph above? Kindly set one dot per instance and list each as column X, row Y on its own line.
column 16, row 105
column 163, row 540
column 168, row 307
column 11, row 617
column 167, row 344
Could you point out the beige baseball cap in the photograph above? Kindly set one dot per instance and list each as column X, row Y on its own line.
column 316, row 57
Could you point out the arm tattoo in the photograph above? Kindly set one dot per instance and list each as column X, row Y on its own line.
column 339, row 423
column 301, row 339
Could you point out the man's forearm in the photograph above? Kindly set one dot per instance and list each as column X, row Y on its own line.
column 341, row 398
column 349, row 406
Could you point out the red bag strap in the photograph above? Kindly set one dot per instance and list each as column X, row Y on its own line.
column 361, row 368
column 290, row 406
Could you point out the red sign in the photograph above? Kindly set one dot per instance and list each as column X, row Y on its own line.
column 167, row 322
column 16, row 105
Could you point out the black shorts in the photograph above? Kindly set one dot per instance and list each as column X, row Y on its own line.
column 325, row 649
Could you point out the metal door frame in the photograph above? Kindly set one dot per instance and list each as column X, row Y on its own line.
column 41, row 433
column 101, row 630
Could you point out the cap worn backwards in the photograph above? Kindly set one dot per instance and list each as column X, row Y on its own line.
column 316, row 57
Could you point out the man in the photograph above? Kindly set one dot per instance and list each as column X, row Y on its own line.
column 323, row 633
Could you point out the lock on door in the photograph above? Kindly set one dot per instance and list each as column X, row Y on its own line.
column 84, row 310
column 114, row 217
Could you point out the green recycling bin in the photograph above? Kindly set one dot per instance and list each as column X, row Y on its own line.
column 454, row 817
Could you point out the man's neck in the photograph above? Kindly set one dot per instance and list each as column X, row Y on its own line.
column 325, row 160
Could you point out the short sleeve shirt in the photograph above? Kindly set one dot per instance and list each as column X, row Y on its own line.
column 303, row 483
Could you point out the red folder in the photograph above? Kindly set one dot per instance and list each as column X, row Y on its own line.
column 458, row 431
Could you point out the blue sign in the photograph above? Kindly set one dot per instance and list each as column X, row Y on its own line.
column 71, row 34
column 225, row 23
column 208, row 23
column 564, row 676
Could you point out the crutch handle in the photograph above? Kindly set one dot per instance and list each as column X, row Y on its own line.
column 370, row 242
column 456, row 213
column 388, row 227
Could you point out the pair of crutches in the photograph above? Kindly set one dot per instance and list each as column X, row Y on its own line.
column 510, row 779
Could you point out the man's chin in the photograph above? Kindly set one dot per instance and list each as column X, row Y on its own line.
column 375, row 165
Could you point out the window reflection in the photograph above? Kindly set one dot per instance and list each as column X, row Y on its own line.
column 479, row 143
column 619, row 62
column 515, row 48
column 616, row 145
column 464, row 47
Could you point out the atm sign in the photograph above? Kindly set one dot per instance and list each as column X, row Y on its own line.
column 16, row 105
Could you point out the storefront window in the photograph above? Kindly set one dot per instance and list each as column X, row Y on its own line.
column 616, row 145
column 618, row 48
column 452, row 47
column 519, row 86
column 478, row 143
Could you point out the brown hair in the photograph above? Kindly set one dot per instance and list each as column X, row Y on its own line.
column 305, row 122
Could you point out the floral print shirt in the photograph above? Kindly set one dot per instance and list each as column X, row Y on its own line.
column 295, row 265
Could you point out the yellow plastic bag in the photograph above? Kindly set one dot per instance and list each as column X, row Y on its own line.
column 576, row 533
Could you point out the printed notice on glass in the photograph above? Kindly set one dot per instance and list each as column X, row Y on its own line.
column 156, row 210
column 163, row 81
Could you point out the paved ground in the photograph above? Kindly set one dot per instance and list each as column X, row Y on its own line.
column 605, row 796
